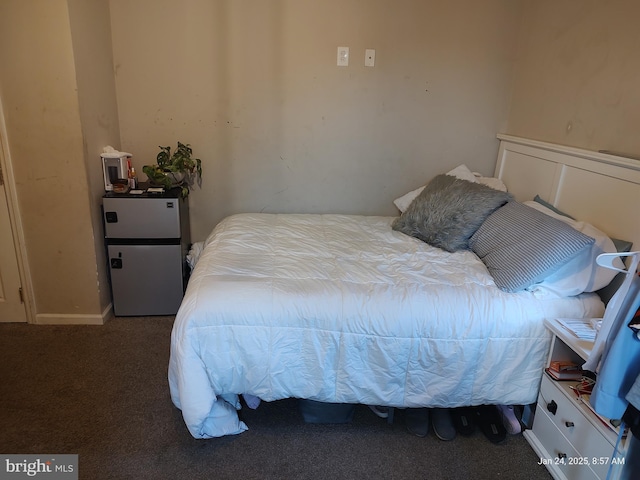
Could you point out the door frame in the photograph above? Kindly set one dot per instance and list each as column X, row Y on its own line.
column 15, row 220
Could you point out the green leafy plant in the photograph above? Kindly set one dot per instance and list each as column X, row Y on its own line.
column 177, row 169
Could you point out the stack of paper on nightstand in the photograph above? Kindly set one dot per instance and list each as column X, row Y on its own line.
column 584, row 329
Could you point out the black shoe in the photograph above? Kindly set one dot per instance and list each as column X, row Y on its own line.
column 417, row 421
column 443, row 424
column 463, row 419
column 490, row 423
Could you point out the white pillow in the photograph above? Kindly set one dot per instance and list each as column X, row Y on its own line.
column 581, row 274
column 404, row 201
column 461, row 171
column 492, row 182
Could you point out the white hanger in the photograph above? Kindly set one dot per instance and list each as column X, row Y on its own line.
column 611, row 312
column 606, row 260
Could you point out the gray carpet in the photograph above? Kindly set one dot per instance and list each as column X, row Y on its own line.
column 101, row 392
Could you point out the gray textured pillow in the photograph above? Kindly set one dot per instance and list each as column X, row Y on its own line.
column 448, row 211
column 521, row 246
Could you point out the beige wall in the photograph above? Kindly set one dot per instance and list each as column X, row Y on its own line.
column 578, row 76
column 48, row 145
column 91, row 36
column 253, row 86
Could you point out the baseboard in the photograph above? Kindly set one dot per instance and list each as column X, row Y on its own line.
column 74, row 319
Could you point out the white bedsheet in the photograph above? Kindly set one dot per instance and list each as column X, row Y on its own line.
column 340, row 308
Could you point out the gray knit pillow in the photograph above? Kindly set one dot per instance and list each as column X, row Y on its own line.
column 448, row 211
column 521, row 246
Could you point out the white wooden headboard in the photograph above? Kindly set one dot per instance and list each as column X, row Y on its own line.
column 598, row 188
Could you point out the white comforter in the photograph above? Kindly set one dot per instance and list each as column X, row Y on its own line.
column 340, row 308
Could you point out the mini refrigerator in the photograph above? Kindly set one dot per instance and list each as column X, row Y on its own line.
column 147, row 241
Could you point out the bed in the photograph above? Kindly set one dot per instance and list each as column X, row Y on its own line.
column 352, row 309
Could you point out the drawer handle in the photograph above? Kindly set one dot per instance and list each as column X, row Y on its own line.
column 561, row 456
column 569, row 424
column 552, row 406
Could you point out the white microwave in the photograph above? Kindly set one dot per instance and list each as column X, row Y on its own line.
column 115, row 166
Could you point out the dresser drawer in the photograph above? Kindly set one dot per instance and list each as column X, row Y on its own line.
column 547, row 433
column 569, row 419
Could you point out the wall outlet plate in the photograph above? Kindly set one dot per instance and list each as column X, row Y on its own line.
column 369, row 57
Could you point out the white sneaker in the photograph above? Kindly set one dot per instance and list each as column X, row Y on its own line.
column 382, row 412
column 511, row 423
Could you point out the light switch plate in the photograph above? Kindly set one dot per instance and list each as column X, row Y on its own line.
column 343, row 56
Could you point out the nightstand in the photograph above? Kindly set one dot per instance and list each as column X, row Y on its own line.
column 571, row 440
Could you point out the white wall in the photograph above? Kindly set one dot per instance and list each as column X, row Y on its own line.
column 253, row 86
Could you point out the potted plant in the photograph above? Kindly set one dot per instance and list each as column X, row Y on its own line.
column 175, row 169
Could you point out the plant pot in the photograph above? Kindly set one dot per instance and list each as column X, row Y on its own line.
column 176, row 179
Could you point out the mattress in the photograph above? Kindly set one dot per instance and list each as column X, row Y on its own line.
column 342, row 309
